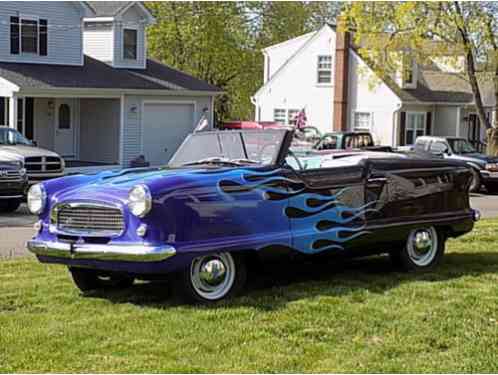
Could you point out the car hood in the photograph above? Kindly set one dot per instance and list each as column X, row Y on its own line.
column 114, row 186
column 477, row 158
column 22, row 151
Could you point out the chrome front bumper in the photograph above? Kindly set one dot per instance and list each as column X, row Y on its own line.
column 127, row 253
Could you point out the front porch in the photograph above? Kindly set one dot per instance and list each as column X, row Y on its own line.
column 444, row 120
column 85, row 131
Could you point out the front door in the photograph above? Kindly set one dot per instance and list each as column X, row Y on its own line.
column 64, row 128
column 330, row 212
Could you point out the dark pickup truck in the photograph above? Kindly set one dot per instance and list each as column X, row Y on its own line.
column 349, row 141
column 13, row 184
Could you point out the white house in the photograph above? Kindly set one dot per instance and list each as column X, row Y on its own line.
column 75, row 77
column 322, row 73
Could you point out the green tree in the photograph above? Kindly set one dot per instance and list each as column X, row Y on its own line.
column 211, row 41
column 389, row 31
column 220, row 42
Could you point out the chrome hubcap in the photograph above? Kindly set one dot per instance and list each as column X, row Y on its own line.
column 212, row 272
column 213, row 275
column 422, row 246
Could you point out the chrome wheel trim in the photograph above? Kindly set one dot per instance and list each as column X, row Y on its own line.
column 212, row 276
column 422, row 246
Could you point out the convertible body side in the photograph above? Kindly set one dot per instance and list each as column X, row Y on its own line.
column 358, row 209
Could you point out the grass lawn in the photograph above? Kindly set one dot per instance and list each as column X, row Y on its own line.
column 356, row 317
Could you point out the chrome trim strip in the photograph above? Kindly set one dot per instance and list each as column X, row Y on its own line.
column 126, row 253
column 11, row 196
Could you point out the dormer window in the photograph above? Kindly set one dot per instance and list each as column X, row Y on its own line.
column 28, row 35
column 408, row 77
column 130, row 44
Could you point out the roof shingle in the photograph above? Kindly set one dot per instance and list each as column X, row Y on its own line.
column 98, row 75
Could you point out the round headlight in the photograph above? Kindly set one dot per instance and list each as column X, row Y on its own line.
column 37, row 198
column 139, row 200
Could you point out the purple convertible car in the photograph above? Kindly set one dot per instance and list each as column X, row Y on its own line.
column 230, row 197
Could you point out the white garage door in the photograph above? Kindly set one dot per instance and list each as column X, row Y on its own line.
column 165, row 126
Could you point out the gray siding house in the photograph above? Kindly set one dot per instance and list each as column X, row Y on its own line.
column 75, row 78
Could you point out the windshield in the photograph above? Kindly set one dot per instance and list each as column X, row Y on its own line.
column 10, row 136
column 229, row 147
column 461, row 146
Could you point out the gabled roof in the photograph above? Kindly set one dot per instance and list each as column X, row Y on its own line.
column 437, row 86
column 433, row 84
column 284, row 66
column 116, row 8
column 98, row 75
column 107, row 8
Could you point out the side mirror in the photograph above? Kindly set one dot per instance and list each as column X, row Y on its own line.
column 34, row 143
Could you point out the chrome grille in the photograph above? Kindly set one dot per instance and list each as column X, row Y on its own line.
column 40, row 164
column 9, row 176
column 87, row 219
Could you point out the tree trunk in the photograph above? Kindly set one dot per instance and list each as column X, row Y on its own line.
column 492, row 133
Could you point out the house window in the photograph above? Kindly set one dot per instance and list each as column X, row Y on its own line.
column 324, row 69
column 291, row 115
column 362, row 120
column 130, row 44
column 408, row 73
column 415, row 126
column 29, row 36
column 64, row 117
column 279, row 116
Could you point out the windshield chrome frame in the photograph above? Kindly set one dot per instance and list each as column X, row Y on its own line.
column 278, row 158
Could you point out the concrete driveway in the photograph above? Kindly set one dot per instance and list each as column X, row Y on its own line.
column 17, row 228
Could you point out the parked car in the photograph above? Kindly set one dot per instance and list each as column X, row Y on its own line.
column 484, row 168
column 349, row 141
column 234, row 125
column 40, row 164
column 231, row 197
column 13, row 185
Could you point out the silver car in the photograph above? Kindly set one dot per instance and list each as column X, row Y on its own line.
column 40, row 164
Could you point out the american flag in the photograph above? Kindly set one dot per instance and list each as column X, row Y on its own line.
column 301, row 119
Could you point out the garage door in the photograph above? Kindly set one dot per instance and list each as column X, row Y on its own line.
column 165, row 126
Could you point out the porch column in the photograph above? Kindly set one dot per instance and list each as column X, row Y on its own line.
column 13, row 112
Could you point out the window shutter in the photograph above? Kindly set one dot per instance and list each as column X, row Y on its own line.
column 402, row 128
column 428, row 127
column 28, row 121
column 14, row 35
column 43, row 27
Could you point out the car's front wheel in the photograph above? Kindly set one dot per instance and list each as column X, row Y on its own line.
column 211, row 278
column 423, row 250
column 88, row 279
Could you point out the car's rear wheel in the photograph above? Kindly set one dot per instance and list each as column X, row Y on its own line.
column 9, row 205
column 423, row 250
column 475, row 183
column 211, row 278
column 88, row 279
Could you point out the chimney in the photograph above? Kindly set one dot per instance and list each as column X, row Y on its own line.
column 341, row 75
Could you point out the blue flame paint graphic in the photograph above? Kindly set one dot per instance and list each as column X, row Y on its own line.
column 318, row 222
